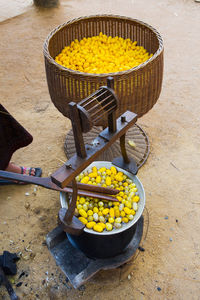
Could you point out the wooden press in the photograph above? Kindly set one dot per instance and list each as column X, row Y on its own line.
column 84, row 116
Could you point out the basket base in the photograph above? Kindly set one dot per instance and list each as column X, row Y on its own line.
column 46, row 3
column 137, row 145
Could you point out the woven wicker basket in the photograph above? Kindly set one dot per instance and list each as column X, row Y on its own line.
column 137, row 89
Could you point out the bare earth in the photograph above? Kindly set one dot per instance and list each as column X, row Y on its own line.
column 170, row 176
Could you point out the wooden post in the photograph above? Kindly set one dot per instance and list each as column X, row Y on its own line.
column 112, row 116
column 77, row 130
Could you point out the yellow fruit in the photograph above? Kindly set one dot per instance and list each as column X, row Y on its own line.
column 95, row 213
column 92, row 175
column 90, row 218
column 108, row 181
column 85, row 179
column 132, row 212
column 125, row 219
column 98, row 228
column 83, row 213
column 90, row 225
column 117, row 213
column 123, row 213
column 109, row 226
column 102, row 225
column 83, row 220
column 95, row 209
column 102, row 54
column 111, row 220
column 90, row 212
column 82, row 200
column 132, row 144
column 98, row 179
column 105, row 211
column 94, row 169
column 108, row 172
column 113, row 170
column 119, row 198
column 127, row 210
column 112, row 212
column 103, row 169
column 136, row 198
column 118, row 220
column 119, row 177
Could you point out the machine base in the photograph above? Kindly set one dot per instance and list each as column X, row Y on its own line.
column 137, row 145
column 77, row 267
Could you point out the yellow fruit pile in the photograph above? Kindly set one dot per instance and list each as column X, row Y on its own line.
column 103, row 215
column 102, row 54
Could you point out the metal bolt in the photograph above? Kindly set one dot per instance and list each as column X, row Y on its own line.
column 68, row 165
column 123, row 119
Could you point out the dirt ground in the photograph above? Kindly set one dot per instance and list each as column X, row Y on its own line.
column 169, row 268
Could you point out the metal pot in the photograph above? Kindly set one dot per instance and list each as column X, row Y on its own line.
column 107, row 243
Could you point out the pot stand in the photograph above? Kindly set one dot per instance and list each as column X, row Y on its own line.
column 77, row 267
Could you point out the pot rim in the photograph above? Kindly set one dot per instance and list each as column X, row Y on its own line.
column 141, row 203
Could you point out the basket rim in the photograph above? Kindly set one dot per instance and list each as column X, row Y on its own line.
column 102, row 75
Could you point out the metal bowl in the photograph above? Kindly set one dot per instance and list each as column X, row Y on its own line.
column 107, row 243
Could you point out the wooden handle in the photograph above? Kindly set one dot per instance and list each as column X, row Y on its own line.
column 47, row 183
column 70, row 212
column 43, row 181
column 95, row 188
column 96, row 195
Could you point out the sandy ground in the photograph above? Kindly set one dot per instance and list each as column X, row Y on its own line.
column 13, row 8
column 170, row 176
